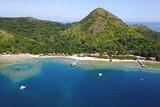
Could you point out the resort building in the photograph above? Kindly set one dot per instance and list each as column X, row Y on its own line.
column 141, row 58
column 97, row 55
column 152, row 58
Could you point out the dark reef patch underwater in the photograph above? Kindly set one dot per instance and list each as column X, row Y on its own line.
column 54, row 83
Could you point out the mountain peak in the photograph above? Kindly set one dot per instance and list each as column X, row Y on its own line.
column 99, row 20
column 100, row 11
column 103, row 13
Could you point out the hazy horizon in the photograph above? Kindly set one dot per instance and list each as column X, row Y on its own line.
column 73, row 20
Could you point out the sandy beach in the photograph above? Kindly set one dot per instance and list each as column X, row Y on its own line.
column 15, row 57
column 20, row 57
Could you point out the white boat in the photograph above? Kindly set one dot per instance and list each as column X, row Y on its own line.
column 100, row 74
column 22, row 87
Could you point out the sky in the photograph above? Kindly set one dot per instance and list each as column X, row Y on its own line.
column 75, row 10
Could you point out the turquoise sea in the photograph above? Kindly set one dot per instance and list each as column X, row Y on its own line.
column 54, row 83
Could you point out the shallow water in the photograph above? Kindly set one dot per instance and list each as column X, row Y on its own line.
column 54, row 83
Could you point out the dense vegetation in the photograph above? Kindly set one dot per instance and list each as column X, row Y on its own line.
column 100, row 32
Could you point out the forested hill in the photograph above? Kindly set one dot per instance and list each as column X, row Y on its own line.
column 31, row 35
column 100, row 31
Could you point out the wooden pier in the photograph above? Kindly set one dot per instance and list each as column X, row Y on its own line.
column 74, row 63
column 141, row 64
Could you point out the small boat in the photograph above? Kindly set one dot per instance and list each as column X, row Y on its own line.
column 100, row 74
column 22, row 87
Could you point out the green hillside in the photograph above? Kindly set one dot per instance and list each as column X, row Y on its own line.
column 6, row 41
column 100, row 31
column 32, row 35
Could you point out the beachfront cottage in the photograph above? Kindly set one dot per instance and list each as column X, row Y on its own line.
column 49, row 54
column 75, row 55
column 96, row 55
column 141, row 58
column 53, row 54
column 41, row 54
column 4, row 53
column 81, row 55
column 152, row 58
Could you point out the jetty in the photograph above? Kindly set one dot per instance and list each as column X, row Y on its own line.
column 74, row 63
column 141, row 64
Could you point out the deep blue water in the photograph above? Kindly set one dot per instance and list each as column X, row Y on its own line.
column 60, row 85
column 152, row 25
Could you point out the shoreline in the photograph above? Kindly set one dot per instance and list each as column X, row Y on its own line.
column 15, row 57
